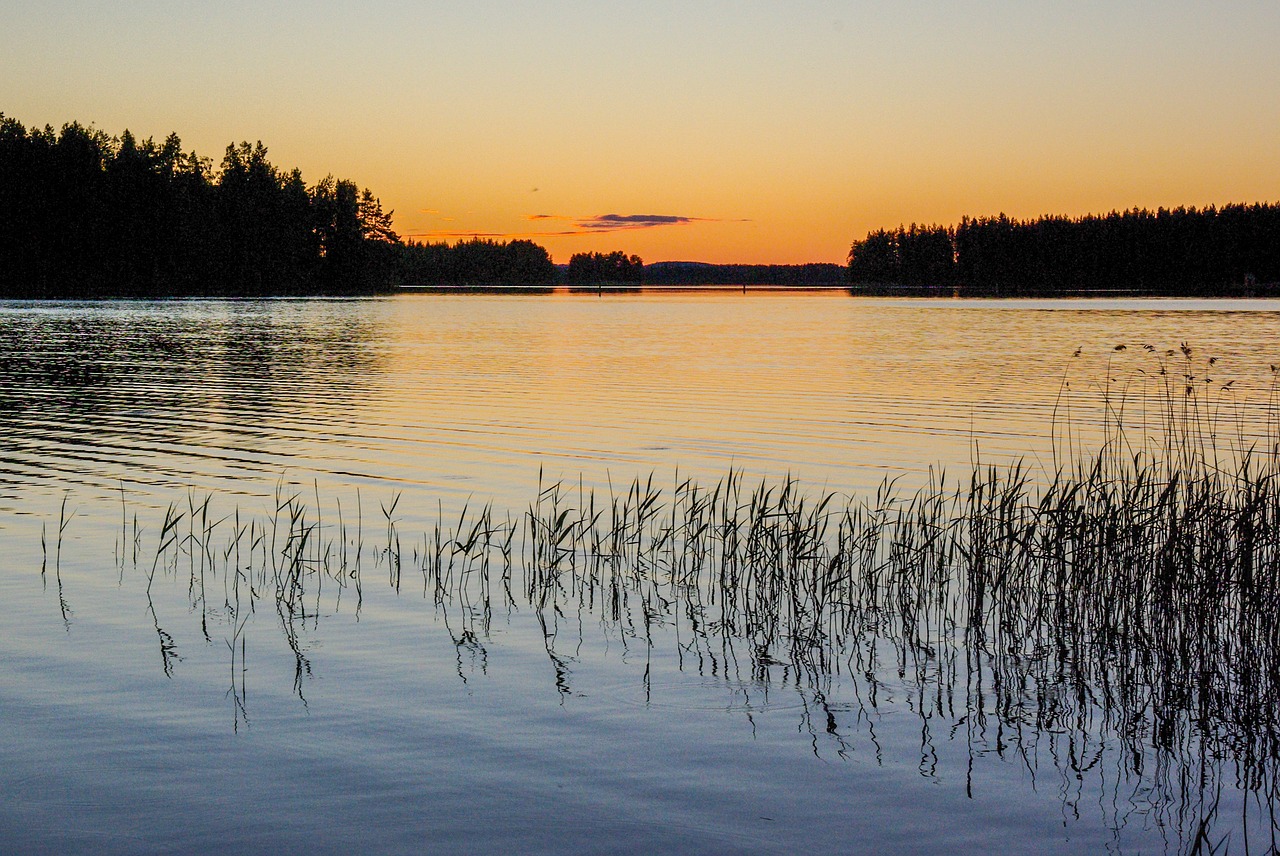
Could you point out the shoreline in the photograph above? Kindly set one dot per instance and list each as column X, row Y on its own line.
column 1269, row 291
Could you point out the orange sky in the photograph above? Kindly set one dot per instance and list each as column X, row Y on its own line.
column 722, row 132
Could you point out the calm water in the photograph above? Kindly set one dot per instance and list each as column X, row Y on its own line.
column 176, row 699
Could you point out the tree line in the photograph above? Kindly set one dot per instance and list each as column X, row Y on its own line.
column 1181, row 251
column 476, row 262
column 604, row 268
column 84, row 214
column 483, row 262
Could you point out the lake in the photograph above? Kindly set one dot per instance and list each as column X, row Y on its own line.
column 326, row 575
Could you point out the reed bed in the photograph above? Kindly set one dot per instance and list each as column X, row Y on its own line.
column 1123, row 604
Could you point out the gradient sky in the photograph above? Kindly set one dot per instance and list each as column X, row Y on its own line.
column 712, row 131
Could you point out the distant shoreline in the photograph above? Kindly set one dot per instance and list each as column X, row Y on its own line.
column 1270, row 291
column 610, row 288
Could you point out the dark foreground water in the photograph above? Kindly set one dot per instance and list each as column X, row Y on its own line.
column 228, row 623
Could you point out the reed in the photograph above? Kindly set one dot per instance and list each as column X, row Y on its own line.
column 1125, row 598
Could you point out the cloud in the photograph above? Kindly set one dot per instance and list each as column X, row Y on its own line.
column 602, row 223
column 616, row 222
column 622, row 222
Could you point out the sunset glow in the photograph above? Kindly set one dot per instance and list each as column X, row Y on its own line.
column 720, row 132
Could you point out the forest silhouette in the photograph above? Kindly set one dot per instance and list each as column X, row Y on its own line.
column 600, row 268
column 1228, row 251
column 86, row 215
column 476, row 262
column 83, row 214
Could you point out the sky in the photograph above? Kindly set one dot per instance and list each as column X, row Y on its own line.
column 752, row 132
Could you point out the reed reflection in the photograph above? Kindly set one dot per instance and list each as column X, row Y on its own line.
column 1112, row 632
column 1108, row 627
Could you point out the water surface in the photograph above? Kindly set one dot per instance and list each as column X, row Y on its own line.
column 154, row 702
